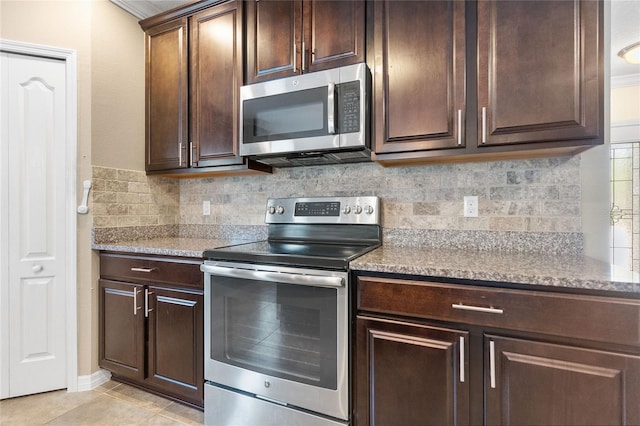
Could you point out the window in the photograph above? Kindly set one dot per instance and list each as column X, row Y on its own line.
column 625, row 208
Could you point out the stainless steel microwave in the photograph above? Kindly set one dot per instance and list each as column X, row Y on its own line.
column 316, row 118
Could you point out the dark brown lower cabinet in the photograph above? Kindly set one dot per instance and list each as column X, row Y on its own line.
column 430, row 352
column 415, row 375
column 122, row 341
column 151, row 334
column 546, row 384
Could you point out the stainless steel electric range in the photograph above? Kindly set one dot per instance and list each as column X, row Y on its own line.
column 277, row 333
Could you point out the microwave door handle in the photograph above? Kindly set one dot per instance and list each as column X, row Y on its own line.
column 275, row 277
column 331, row 109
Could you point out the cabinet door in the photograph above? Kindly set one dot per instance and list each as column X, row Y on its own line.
column 409, row 374
column 122, row 326
column 216, row 77
column 334, row 33
column 540, row 67
column 274, row 39
column 419, row 78
column 176, row 336
column 166, row 96
column 530, row 383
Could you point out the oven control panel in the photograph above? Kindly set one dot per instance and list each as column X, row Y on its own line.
column 339, row 210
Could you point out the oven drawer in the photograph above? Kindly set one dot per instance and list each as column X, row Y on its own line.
column 612, row 320
column 154, row 270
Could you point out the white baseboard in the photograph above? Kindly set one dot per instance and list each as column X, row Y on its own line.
column 94, row 380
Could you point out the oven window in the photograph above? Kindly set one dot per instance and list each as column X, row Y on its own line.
column 292, row 115
column 283, row 330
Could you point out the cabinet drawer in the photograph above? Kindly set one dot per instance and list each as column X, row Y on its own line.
column 155, row 270
column 604, row 319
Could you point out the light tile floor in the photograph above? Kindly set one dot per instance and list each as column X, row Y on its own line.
column 110, row 404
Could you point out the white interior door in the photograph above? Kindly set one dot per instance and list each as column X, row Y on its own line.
column 34, row 225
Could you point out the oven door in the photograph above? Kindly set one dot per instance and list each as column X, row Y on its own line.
column 279, row 333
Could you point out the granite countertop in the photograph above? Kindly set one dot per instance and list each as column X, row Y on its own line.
column 569, row 271
column 168, row 246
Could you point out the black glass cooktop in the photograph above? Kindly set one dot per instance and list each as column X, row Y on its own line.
column 302, row 254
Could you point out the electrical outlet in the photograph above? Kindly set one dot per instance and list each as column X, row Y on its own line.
column 206, row 208
column 471, row 206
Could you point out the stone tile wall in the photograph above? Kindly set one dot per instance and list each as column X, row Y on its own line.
column 125, row 198
column 541, row 195
column 537, row 197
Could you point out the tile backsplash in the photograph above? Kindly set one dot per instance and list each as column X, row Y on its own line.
column 541, row 195
column 123, row 198
column 523, row 196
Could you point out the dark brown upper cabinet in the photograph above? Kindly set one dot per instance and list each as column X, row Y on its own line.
column 539, row 72
column 289, row 37
column 419, row 82
column 486, row 80
column 167, row 84
column 194, row 70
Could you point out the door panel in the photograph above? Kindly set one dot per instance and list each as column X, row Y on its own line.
column 216, row 77
column 419, row 80
column 410, row 374
column 36, row 137
column 273, row 29
column 176, row 333
column 548, row 93
column 539, row 383
column 335, row 31
column 122, row 340
column 167, row 104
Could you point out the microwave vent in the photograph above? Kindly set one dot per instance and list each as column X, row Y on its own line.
column 316, row 158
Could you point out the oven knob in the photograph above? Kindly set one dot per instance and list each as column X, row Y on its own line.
column 368, row 209
column 346, row 210
column 358, row 210
column 267, row 384
column 272, row 210
column 280, row 210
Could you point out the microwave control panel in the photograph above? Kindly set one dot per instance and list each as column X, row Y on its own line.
column 349, row 106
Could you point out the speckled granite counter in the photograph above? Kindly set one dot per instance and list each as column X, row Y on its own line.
column 168, row 246
column 570, row 271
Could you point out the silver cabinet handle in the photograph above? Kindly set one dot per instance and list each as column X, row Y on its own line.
column 193, row 154
column 180, row 153
column 459, row 127
column 331, row 108
column 461, row 359
column 147, row 270
column 303, row 57
column 489, row 310
column 492, row 364
column 146, row 302
column 274, row 277
column 484, row 124
column 295, row 58
column 135, row 302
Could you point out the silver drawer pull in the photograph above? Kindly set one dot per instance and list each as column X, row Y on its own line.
column 459, row 127
column 135, row 302
column 484, row 124
column 147, row 270
column 146, row 302
column 461, row 359
column 492, row 364
column 477, row 308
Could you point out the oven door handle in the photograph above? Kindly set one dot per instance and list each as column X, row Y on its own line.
column 276, row 277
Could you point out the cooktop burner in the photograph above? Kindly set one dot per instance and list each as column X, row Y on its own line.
column 333, row 256
column 321, row 232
